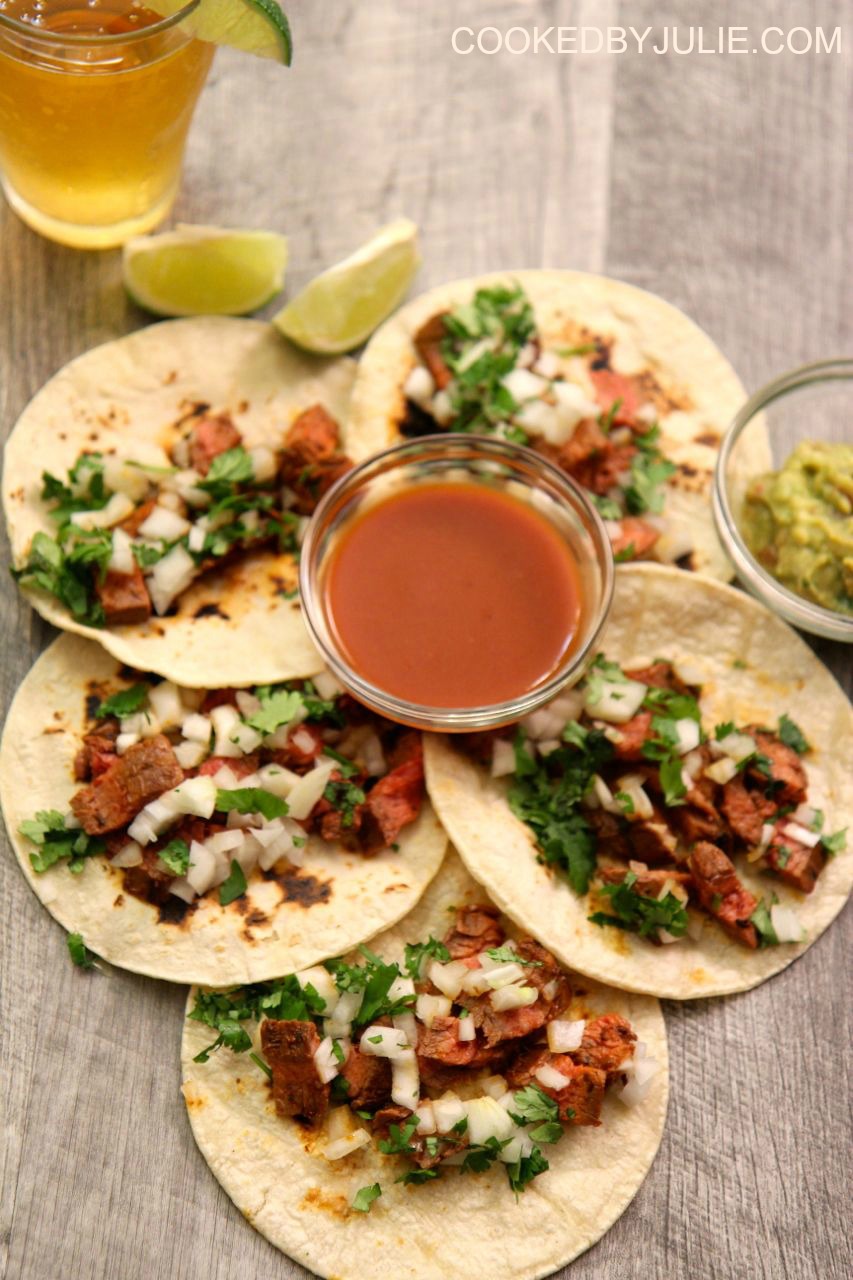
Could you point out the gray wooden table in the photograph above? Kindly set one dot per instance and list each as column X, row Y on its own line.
column 721, row 183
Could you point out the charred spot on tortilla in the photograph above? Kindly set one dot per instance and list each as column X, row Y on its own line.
column 174, row 910
column 303, row 889
column 416, row 421
column 119, row 902
column 395, row 888
column 687, row 561
column 211, row 610
column 170, row 378
column 709, row 438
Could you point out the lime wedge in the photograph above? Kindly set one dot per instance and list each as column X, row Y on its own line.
column 204, row 271
column 340, row 309
column 253, row 26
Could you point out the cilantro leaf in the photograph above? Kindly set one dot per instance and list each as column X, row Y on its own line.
column 508, row 955
column 415, row 1177
column 649, row 471
column 283, row 998
column 672, row 781
column 251, row 800
column 124, row 703
column 534, row 1106
column 54, row 841
column 346, row 768
column 723, row 730
column 522, row 1171
column 399, row 1138
column 345, row 797
column 278, row 707
column 417, row 952
column 264, row 1066
column 792, row 735
column 227, row 469
column 67, row 576
column 481, row 1157
column 235, row 886
column 637, row 913
column 365, row 1197
column 835, row 843
column 79, row 952
column 676, row 706
column 176, row 856
column 764, row 925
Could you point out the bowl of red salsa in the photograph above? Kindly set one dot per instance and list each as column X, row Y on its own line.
column 456, row 583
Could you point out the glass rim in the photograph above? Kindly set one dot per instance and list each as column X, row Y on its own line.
column 77, row 38
column 807, row 614
column 455, row 719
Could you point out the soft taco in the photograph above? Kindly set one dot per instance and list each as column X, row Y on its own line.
column 615, row 385
column 156, row 490
column 338, row 1107
column 215, row 835
column 676, row 824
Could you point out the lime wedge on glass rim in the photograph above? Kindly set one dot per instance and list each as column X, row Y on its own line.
column 253, row 26
column 194, row 271
column 340, row 308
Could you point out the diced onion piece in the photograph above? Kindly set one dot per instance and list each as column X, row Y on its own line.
column 325, row 1060
column 604, row 795
column 442, row 408
column 448, row 977
column 169, row 577
column 345, row 1146
column 550, row 1077
column 786, row 923
column 476, row 982
column 309, row 789
column 372, row 756
column 405, row 1081
column 806, row 815
column 247, row 703
column 547, row 364
column 406, row 1023
column 165, row 701
column 689, row 733
column 565, row 1036
column 426, row 1117
column 676, row 540
column 182, row 889
column 340, row 1021
column 118, row 508
column 384, row 1042
column 197, row 535
column 122, row 559
column 129, row 855
column 666, row 937
column 245, row 737
column 125, row 741
column 264, row 465
column 618, row 701
column 197, row 728
column 400, row 988
column 327, row 685
column 474, row 352
column 419, row 386
column 225, row 841
column 503, row 974
column 640, row 1071
column 494, row 1087
column 573, row 404
column 303, row 741
column 142, row 723
column 163, row 525
column 467, row 1030
column 121, row 478
column 428, row 1008
column 736, row 745
column 323, row 983
column 513, row 997
column 448, row 1110
column 632, row 786
column 801, row 834
column 721, row 771
column 225, row 720
column 277, row 780
column 190, row 754
column 487, row 1119
column 194, row 796
column 523, row 385
column 203, row 867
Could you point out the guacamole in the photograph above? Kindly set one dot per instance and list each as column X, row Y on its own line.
column 798, row 523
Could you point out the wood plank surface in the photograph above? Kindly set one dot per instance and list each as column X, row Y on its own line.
column 720, row 182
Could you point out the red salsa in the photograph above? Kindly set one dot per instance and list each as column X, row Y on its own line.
column 453, row 595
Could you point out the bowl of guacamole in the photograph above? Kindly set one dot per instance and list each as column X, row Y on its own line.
column 788, row 524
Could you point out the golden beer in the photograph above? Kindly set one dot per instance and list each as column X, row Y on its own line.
column 95, row 103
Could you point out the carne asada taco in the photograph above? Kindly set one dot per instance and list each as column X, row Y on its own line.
column 676, row 823
column 613, row 384
column 338, row 1107
column 212, row 836
column 156, row 488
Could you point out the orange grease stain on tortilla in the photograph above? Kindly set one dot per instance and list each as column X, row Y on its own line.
column 337, row 1206
column 699, row 976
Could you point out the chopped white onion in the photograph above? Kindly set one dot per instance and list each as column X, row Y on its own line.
column 277, row 780
column 327, row 685
column 226, row 720
column 801, row 834
column 309, row 789
column 503, row 974
column 428, row 1008
column 129, row 855
column 426, row 1117
column 169, row 577
column 197, row 535
column 548, row 365
column 736, row 745
column 617, row 701
column 246, row 738
column 442, row 408
column 197, row 728
column 118, row 508
column 523, row 385
column 323, row 983
column 632, row 786
column 721, row 771
column 419, row 386
column 264, row 464
column 372, row 756
column 400, row 988
column 448, row 977
column 564, row 1037
column 447, row 1111
column 406, row 1023
column 340, row 1019
column 119, row 477
column 689, row 733
column 806, row 815
column 405, row 1081
column 493, row 1087
column 142, row 723
column 203, row 867
column 573, row 404
column 190, row 754
column 125, row 741
column 122, row 559
column 325, row 1060
column 550, row 1077
column 345, row 1146
column 640, row 1071
column 165, row 701
column 384, row 1042
column 467, row 1030
column 487, row 1119
column 513, row 997
column 786, row 923
column 163, row 525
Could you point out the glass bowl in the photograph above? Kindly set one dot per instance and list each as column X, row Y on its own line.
column 464, row 458
column 814, row 402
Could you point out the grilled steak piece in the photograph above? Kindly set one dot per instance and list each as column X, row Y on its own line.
column 368, row 1080
column 441, row 1042
column 545, row 975
column 131, row 524
column 240, row 766
column 721, row 893
column 209, row 437
column 610, row 833
column 300, row 758
column 289, row 1047
column 114, row 798
column 124, row 597
column 579, row 1099
column 310, row 463
column 660, row 675
column 393, row 803
column 428, row 340
column 608, row 1042
column 787, row 782
column 651, row 840
column 632, row 735
column 386, row 1116
column 610, row 386
column 554, row 993
column 635, row 538
column 746, row 810
column 795, row 863
column 476, row 929
column 314, row 435
column 97, row 752
column 648, row 882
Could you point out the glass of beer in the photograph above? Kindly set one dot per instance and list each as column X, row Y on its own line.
column 96, row 99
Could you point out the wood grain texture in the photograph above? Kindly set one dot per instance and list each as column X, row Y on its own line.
column 720, row 183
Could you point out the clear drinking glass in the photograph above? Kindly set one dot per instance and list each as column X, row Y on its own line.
column 96, row 101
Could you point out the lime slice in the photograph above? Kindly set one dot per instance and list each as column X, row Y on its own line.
column 340, row 309
column 253, row 26
column 204, row 271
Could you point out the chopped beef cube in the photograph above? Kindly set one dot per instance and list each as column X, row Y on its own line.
column 150, row 880
column 635, row 538
column 310, row 462
column 475, row 929
column 98, row 751
column 546, row 976
column 651, row 839
column 218, row 698
column 787, row 782
column 240, row 766
column 113, row 799
column 132, row 523
column 611, row 386
column 289, row 1047
column 795, row 863
column 579, row 1099
column 660, row 675
column 336, row 826
column 124, row 597
column 554, row 993
column 314, row 435
column 586, row 444
column 746, row 810
column 649, row 883
column 393, row 803
column 386, row 1116
column 632, row 735
column 428, row 340
column 408, row 746
column 602, row 473
column 209, row 437
column 438, row 1076
column 610, row 833
column 721, row 893
column 441, row 1042
column 368, row 1080
column 608, row 1042
column 448, row 1146
column 300, row 757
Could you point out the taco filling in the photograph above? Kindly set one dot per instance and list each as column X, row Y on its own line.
column 131, row 538
column 482, row 368
column 188, row 792
column 631, row 798
column 470, row 1051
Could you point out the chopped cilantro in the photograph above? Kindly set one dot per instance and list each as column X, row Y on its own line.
column 764, row 925
column 278, row 707
column 251, row 800
column 345, row 797
column 782, row 855
column 227, row 469
column 605, row 420
column 792, row 735
column 585, row 349
column 677, row 706
column 672, row 781
column 79, row 952
column 65, row 570
column 124, row 703
column 481, row 1157
column 723, row 730
column 345, row 767
column 364, row 1198
column 739, row 664
column 417, row 952
column 375, row 979
column 264, row 1066
column 508, row 955
column 399, row 1138
column 637, row 913
column 54, row 842
column 176, row 856
column 283, row 998
column 606, row 507
column 235, row 886
column 520, row 1173
column 534, row 1106
column 624, row 801
column 414, row 1177
column 503, row 318
column 835, row 843
column 649, row 471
